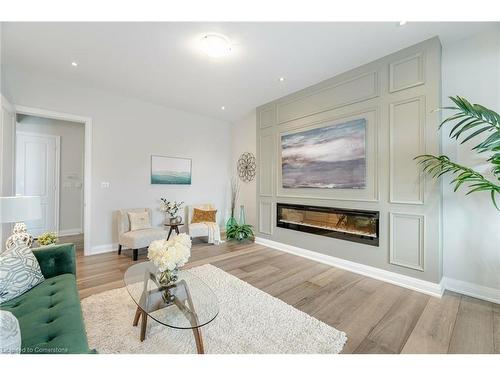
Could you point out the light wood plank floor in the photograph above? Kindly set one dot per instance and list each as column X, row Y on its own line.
column 378, row 317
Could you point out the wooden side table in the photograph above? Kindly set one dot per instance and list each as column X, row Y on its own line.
column 173, row 227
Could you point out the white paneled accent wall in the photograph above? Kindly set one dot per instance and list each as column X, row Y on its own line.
column 397, row 96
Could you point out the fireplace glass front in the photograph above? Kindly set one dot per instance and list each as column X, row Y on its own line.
column 351, row 225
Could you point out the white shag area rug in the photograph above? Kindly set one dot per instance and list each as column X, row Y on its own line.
column 250, row 321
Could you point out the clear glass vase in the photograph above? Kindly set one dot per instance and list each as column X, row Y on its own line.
column 166, row 280
column 242, row 215
column 230, row 222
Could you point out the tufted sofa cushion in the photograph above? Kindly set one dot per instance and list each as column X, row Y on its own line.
column 50, row 317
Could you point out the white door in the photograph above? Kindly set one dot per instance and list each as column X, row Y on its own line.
column 37, row 173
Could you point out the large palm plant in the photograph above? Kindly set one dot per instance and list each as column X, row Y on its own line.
column 471, row 121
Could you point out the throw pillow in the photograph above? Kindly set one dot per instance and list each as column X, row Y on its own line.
column 139, row 220
column 19, row 272
column 10, row 334
column 203, row 216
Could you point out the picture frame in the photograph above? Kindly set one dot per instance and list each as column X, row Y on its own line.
column 169, row 170
column 332, row 156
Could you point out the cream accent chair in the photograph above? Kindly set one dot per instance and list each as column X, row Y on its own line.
column 136, row 239
column 198, row 229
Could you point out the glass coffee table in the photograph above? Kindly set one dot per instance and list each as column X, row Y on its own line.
column 186, row 304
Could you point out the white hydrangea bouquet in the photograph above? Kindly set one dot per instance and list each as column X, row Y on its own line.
column 168, row 256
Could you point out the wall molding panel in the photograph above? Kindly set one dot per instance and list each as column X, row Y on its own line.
column 267, row 117
column 406, row 140
column 266, row 162
column 407, row 73
column 371, row 194
column 354, row 90
column 406, row 246
column 266, row 222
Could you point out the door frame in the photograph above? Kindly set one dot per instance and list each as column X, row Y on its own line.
column 87, row 172
column 6, row 105
column 57, row 174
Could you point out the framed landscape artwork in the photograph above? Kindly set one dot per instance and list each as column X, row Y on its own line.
column 330, row 157
column 167, row 170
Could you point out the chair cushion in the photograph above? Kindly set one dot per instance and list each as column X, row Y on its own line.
column 50, row 317
column 203, row 216
column 138, row 239
column 19, row 272
column 139, row 220
column 198, row 230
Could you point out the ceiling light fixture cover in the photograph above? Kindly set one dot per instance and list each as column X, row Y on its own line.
column 216, row 45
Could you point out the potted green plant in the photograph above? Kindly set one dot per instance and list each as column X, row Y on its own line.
column 239, row 232
column 472, row 120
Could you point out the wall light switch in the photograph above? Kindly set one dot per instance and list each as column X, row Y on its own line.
column 104, row 185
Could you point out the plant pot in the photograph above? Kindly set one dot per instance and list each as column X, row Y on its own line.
column 175, row 220
column 230, row 222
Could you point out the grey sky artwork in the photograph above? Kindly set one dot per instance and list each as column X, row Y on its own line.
column 331, row 157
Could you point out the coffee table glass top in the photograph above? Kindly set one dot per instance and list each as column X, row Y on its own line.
column 189, row 303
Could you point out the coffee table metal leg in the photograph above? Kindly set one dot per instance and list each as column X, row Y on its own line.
column 144, row 324
column 137, row 316
column 199, row 340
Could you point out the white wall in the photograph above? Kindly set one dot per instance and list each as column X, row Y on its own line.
column 126, row 132
column 471, row 68
column 244, row 140
column 72, row 137
column 1, row 62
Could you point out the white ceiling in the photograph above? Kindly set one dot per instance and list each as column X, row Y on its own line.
column 160, row 62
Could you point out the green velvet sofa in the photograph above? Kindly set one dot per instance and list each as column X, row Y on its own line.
column 49, row 315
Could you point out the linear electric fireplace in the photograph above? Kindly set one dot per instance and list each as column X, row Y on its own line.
column 351, row 225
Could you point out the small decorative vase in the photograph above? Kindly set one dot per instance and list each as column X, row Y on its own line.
column 167, row 280
column 230, row 222
column 175, row 219
column 242, row 215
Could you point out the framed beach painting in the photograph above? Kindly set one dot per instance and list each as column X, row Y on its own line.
column 329, row 157
column 167, row 170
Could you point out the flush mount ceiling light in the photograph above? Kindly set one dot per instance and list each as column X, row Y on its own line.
column 215, row 45
column 223, row 108
column 281, row 79
column 74, row 63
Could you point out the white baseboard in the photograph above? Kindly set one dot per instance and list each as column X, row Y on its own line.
column 472, row 290
column 412, row 283
column 70, row 232
column 101, row 249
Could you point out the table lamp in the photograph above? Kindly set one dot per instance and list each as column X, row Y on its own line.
column 17, row 210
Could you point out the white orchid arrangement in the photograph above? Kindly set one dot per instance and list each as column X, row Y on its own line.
column 171, row 208
column 169, row 255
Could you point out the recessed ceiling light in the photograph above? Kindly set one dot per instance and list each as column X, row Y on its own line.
column 282, row 79
column 74, row 63
column 402, row 23
column 223, row 108
column 216, row 45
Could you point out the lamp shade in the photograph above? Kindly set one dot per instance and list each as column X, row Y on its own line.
column 20, row 208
